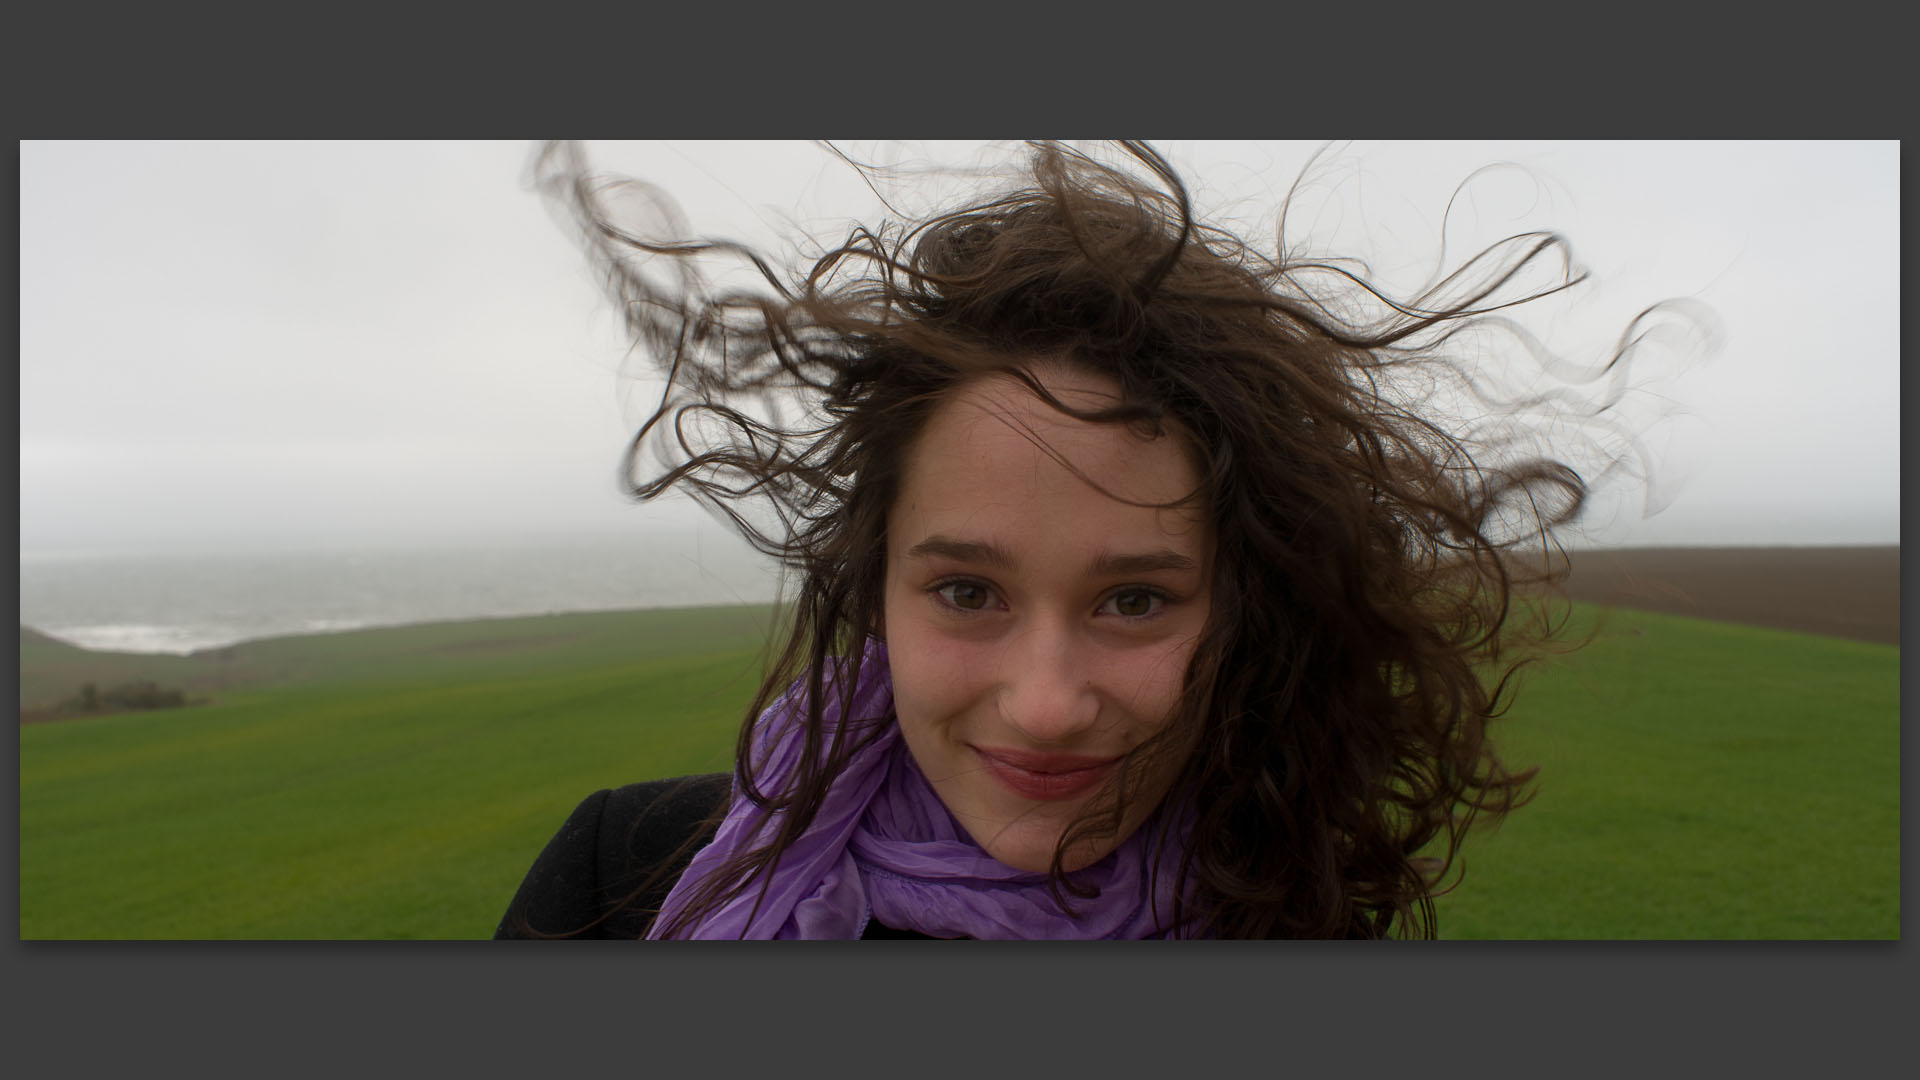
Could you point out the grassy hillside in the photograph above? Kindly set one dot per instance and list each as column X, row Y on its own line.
column 395, row 784
column 52, row 670
column 1698, row 779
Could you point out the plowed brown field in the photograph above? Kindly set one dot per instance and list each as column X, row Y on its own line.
column 1850, row 592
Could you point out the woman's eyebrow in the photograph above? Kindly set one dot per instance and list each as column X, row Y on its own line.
column 1108, row 564
column 971, row 551
column 1144, row 563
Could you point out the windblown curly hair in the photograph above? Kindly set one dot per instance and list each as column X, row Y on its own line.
column 1368, row 616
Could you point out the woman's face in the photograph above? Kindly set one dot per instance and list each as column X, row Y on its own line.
column 1039, row 629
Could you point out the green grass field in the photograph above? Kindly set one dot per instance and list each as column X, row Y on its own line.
column 1698, row 780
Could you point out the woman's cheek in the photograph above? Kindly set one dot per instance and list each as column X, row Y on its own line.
column 928, row 671
column 1149, row 679
column 947, row 673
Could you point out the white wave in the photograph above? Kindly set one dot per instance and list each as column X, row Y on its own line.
column 179, row 604
column 327, row 626
column 141, row 638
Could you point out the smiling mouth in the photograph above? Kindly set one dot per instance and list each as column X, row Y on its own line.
column 1046, row 777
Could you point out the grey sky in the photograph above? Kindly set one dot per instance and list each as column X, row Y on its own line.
column 240, row 345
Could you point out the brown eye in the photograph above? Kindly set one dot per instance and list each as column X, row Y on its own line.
column 965, row 595
column 1134, row 603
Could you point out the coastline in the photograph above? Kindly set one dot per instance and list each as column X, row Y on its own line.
column 1838, row 591
column 1843, row 592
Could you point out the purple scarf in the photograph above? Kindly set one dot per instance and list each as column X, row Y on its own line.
column 884, row 846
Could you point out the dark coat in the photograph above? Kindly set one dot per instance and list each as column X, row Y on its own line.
column 582, row 885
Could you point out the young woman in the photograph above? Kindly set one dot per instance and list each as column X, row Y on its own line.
column 1136, row 596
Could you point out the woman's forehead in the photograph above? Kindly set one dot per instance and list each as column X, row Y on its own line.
column 1074, row 385
column 994, row 446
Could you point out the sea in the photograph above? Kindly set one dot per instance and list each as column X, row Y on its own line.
column 181, row 602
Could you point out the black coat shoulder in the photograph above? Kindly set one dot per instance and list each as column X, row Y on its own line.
column 582, row 884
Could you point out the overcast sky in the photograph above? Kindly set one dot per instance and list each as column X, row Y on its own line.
column 264, row 344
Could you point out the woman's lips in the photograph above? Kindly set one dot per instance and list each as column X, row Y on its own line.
column 1046, row 777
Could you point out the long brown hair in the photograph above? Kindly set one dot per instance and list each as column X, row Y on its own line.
column 1366, row 624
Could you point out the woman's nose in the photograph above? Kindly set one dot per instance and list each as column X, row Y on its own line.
column 1047, row 690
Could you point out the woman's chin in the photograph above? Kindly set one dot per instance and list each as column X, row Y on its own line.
column 1034, row 855
column 1032, row 862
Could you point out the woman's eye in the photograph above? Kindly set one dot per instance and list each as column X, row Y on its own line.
column 966, row 595
column 1134, row 603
